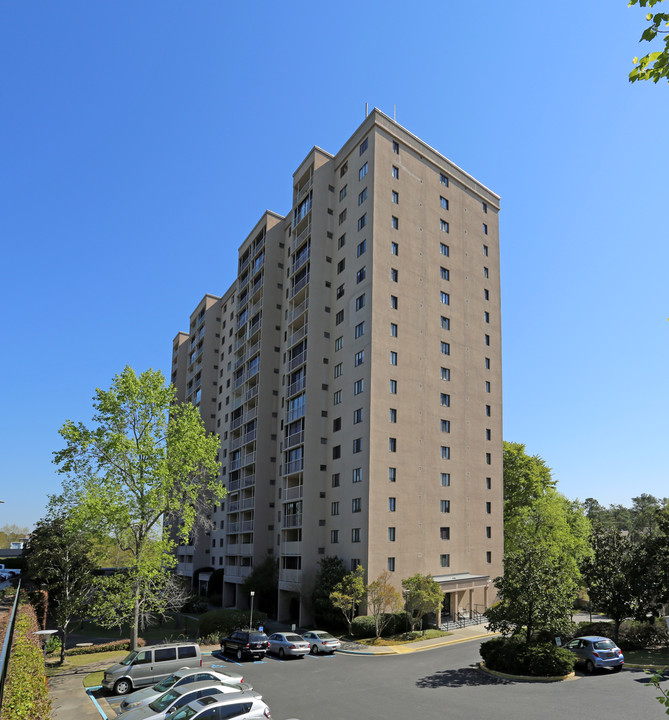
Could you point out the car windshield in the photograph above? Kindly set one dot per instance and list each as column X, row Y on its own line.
column 603, row 644
column 129, row 658
column 293, row 638
column 164, row 701
column 166, row 684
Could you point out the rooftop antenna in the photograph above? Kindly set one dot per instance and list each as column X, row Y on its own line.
column 366, row 109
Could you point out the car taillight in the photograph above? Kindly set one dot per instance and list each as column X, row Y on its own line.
column 292, row 647
column 248, row 645
column 200, row 662
column 265, row 712
column 595, row 654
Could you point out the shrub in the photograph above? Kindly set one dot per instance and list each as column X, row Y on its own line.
column 106, row 647
column 505, row 655
column 220, row 623
column 547, row 660
column 53, row 645
column 363, row 626
column 398, row 624
column 26, row 694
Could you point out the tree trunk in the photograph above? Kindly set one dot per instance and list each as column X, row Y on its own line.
column 135, row 621
column 62, row 645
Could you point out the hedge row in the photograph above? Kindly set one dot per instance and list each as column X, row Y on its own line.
column 363, row 626
column 512, row 655
column 633, row 634
column 26, row 693
column 219, row 623
column 114, row 645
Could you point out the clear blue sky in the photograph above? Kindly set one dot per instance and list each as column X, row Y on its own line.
column 141, row 141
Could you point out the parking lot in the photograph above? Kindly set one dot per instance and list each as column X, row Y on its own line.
column 433, row 684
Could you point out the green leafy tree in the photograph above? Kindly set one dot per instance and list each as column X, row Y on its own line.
column 382, row 598
column 422, row 595
column 331, row 571
column 145, row 463
column 655, row 65
column 10, row 533
column 644, row 514
column 526, row 479
column 349, row 593
column 57, row 559
column 264, row 581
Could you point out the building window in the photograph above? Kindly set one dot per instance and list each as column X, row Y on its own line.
column 488, row 483
column 395, row 223
column 336, row 452
column 359, row 358
column 336, row 424
column 445, row 298
column 487, row 339
column 363, row 171
column 357, row 445
column 360, row 275
column 392, row 474
column 392, row 504
column 396, row 172
column 445, row 560
column 362, row 246
column 339, row 343
column 357, row 475
column 393, row 329
column 362, row 196
column 342, row 216
column 485, row 207
column 340, row 291
column 488, row 458
column 357, row 416
column 487, row 363
column 487, row 386
column 355, row 535
column 443, row 179
column 488, row 508
column 445, row 479
column 445, row 452
column 391, row 534
column 339, row 317
column 488, row 410
column 445, row 426
column 342, row 193
column 445, row 348
column 336, row 398
column 341, row 265
column 485, row 272
column 360, row 302
column 486, row 294
column 445, row 373
column 360, row 329
column 391, row 564
column 488, row 557
column 444, row 249
column 443, row 202
column 485, row 250
column 486, row 316
column 393, row 357
column 394, row 248
column 358, row 386
column 335, row 480
column 363, row 145
column 396, row 148
column 393, row 302
column 334, row 508
column 488, row 532
column 393, row 415
column 396, row 197
column 392, row 444
column 445, row 275
column 485, row 229
column 334, row 536
column 394, row 274
column 393, row 387
column 445, row 506
column 445, row 323
column 344, row 170
column 354, row 563
column 443, row 226
column 356, row 505
column 445, row 400
column 488, row 434
column 362, row 221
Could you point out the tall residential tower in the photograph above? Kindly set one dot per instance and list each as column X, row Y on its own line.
column 353, row 372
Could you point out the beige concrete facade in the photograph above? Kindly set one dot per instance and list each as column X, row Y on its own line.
column 354, row 375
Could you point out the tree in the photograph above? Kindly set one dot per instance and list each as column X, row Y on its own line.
column 422, row 595
column 655, row 65
column 330, row 572
column 264, row 581
column 536, row 591
column 57, row 559
column 10, row 533
column 147, row 462
column 382, row 599
column 349, row 593
column 526, row 478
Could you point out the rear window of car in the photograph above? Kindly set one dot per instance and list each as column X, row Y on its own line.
column 163, row 654
column 188, row 651
column 235, row 709
column 293, row 638
column 603, row 645
column 257, row 637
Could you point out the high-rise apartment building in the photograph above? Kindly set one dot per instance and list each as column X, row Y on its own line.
column 353, row 372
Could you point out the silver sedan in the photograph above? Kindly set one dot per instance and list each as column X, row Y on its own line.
column 284, row 644
column 321, row 641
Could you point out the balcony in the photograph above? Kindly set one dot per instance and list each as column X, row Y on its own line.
column 295, row 413
column 294, row 439
column 299, row 239
column 292, row 493
column 289, row 576
column 235, row 573
column 247, row 503
column 297, row 311
column 291, row 548
column 299, row 263
column 233, row 486
column 292, row 521
column 300, row 285
column 243, row 283
column 251, row 393
column 249, row 459
column 246, row 526
column 297, row 360
column 237, row 422
column 246, row 549
column 238, row 382
column 293, row 466
column 296, row 387
column 304, row 187
column 235, row 464
column 185, row 569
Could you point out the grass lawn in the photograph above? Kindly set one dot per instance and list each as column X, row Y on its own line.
column 657, row 657
column 53, row 667
column 403, row 638
column 186, row 628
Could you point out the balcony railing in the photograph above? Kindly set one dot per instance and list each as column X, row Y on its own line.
column 300, row 262
column 294, row 439
column 292, row 493
column 297, row 335
column 296, row 387
column 297, row 360
column 293, row 466
column 300, row 284
column 292, row 521
column 300, row 238
column 296, row 312
column 295, row 413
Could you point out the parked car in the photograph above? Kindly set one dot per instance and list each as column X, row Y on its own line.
column 245, row 643
column 596, row 652
column 282, row 644
column 168, row 703
column 240, row 707
column 150, row 665
column 321, row 641
column 179, row 679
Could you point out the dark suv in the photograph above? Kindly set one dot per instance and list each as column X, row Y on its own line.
column 245, row 643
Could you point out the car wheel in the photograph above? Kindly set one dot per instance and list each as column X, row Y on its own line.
column 282, row 654
column 239, row 654
column 589, row 666
column 314, row 649
column 122, row 687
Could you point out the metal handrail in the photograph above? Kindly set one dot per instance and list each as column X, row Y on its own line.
column 7, row 644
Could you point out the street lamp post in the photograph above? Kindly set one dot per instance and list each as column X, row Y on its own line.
column 251, row 618
column 45, row 635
